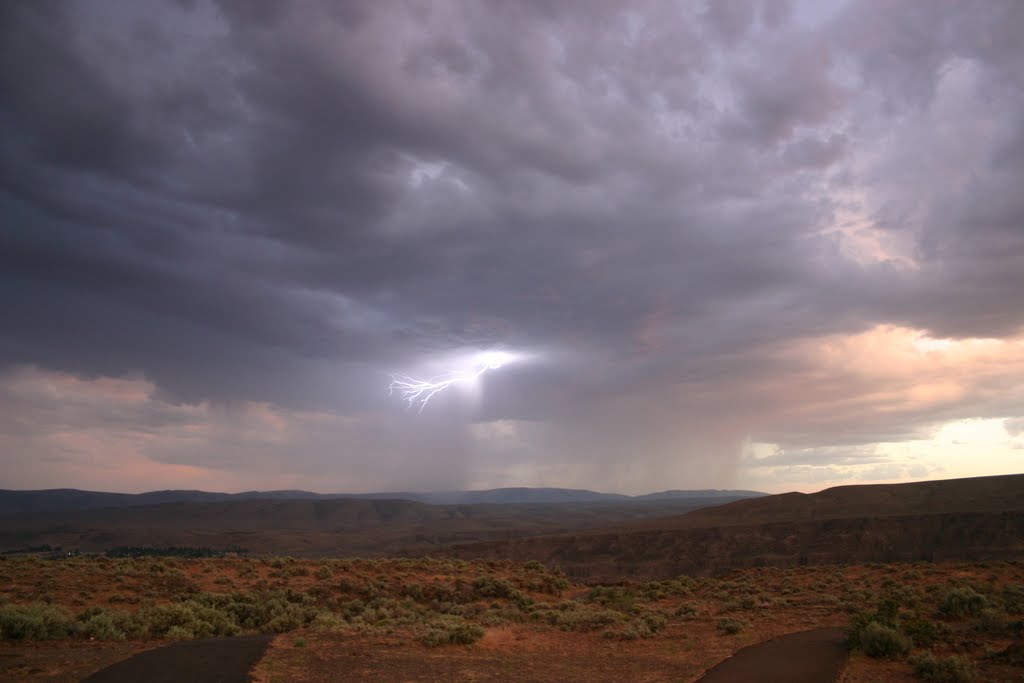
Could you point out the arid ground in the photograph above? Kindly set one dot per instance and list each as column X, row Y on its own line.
column 445, row 619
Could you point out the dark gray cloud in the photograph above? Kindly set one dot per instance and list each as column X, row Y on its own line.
column 286, row 202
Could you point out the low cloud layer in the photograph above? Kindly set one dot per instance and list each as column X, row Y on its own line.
column 793, row 224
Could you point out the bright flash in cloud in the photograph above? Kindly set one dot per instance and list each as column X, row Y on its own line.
column 418, row 392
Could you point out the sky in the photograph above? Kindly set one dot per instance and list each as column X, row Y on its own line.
column 760, row 244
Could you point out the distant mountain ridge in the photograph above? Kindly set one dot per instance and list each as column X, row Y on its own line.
column 332, row 527
column 701, row 493
column 614, row 536
column 13, row 502
column 955, row 519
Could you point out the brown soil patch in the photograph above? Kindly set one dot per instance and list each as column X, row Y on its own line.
column 540, row 658
column 863, row 669
column 64, row 662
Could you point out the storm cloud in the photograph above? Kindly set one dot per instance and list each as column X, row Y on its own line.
column 226, row 224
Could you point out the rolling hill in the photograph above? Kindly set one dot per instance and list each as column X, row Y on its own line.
column 316, row 527
column 49, row 500
column 599, row 538
column 959, row 519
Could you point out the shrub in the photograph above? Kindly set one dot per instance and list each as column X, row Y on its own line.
column 954, row 669
column 329, row 621
column 102, row 626
column 412, row 590
column 500, row 588
column 613, row 597
column 962, row 602
column 1013, row 598
column 879, row 640
column 888, row 611
column 573, row 616
column 730, row 626
column 645, row 627
column 990, row 620
column 189, row 619
column 179, row 633
column 34, row 622
column 547, row 583
column 486, row 587
column 740, row 603
column 686, row 610
column 922, row 631
column 105, row 624
column 682, row 585
column 496, row 616
column 451, row 631
column 276, row 611
column 177, row 582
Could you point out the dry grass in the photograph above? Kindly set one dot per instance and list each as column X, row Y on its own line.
column 429, row 619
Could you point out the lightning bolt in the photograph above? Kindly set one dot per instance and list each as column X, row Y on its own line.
column 420, row 391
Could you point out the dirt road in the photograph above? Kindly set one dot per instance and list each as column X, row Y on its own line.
column 213, row 660
column 814, row 656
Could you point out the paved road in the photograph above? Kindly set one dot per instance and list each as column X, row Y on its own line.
column 816, row 656
column 213, row 660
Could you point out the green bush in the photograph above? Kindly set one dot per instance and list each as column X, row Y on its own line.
column 645, row 627
column 888, row 611
column 682, row 585
column 37, row 621
column 1013, row 598
column 275, row 611
column 329, row 621
column 496, row 616
column 574, row 616
column 686, row 610
column 102, row 626
column 963, row 602
column 451, row 631
column 954, row 669
column 991, row 620
column 730, row 626
column 177, row 582
column 412, row 590
column 189, row 619
column 921, row 631
column 613, row 597
column 486, row 587
column 879, row 640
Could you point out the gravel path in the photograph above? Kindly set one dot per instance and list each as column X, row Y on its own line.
column 213, row 660
column 816, row 656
